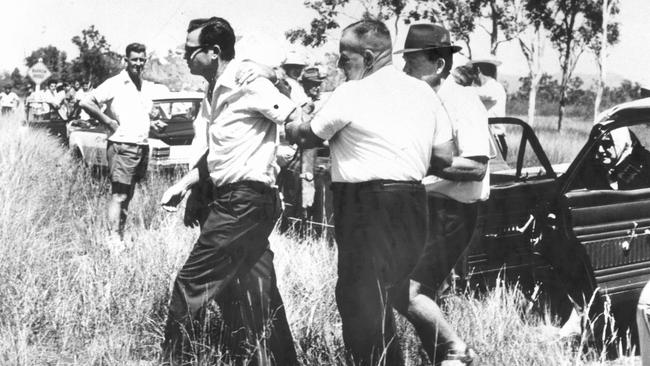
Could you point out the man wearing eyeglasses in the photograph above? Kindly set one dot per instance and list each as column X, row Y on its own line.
column 231, row 262
column 128, row 102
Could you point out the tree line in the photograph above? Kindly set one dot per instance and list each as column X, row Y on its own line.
column 96, row 62
column 571, row 26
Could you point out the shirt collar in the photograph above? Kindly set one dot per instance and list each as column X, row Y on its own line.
column 227, row 79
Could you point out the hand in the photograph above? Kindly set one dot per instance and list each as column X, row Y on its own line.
column 158, row 125
column 251, row 71
column 196, row 208
column 172, row 197
column 112, row 124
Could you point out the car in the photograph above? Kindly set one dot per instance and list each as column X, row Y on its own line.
column 169, row 148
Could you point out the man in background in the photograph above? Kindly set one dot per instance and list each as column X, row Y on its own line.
column 493, row 95
column 9, row 101
column 128, row 103
column 293, row 65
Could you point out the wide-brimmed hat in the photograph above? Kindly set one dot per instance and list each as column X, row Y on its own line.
column 295, row 58
column 427, row 36
column 485, row 60
column 312, row 74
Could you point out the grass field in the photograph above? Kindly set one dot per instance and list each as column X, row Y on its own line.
column 66, row 300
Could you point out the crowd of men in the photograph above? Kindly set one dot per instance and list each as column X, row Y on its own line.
column 55, row 100
column 409, row 153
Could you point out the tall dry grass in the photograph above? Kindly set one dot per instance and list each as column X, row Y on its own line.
column 66, row 300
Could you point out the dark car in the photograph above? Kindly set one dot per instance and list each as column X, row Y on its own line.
column 575, row 229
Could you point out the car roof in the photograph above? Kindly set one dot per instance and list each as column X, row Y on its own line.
column 168, row 95
column 637, row 109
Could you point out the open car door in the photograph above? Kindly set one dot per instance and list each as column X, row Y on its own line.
column 179, row 115
column 520, row 181
column 605, row 203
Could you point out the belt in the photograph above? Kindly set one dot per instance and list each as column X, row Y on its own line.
column 380, row 185
column 250, row 184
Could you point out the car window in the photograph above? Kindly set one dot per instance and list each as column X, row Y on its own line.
column 508, row 141
column 619, row 160
column 176, row 111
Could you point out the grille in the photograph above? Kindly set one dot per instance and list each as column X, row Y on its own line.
column 160, row 153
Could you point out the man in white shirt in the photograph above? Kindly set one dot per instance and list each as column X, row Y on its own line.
column 293, row 65
column 8, row 100
column 493, row 95
column 231, row 262
column 385, row 129
column 128, row 102
column 454, row 192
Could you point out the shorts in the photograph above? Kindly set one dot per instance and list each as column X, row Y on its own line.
column 127, row 164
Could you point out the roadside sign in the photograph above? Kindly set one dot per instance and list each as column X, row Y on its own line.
column 39, row 72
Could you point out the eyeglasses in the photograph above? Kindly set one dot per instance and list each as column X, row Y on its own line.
column 138, row 59
column 191, row 52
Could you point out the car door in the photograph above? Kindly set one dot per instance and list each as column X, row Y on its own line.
column 179, row 116
column 508, row 224
column 605, row 205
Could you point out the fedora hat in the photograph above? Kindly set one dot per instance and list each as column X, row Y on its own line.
column 427, row 36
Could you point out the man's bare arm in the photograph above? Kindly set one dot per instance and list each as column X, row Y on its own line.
column 300, row 132
column 441, row 158
column 174, row 194
column 90, row 106
column 471, row 168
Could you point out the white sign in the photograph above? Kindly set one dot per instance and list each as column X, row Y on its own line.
column 39, row 72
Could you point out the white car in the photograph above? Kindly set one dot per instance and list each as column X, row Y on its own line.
column 167, row 149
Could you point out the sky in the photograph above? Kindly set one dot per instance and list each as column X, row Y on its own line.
column 261, row 24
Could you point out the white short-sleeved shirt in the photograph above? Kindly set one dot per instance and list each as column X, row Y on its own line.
column 239, row 129
column 493, row 95
column 382, row 127
column 471, row 138
column 9, row 99
column 128, row 106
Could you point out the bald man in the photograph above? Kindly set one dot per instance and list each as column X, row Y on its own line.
column 384, row 129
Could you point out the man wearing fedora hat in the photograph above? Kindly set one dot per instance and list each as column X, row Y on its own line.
column 454, row 192
column 384, row 129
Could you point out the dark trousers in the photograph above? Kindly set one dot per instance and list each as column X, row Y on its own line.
column 452, row 225
column 380, row 229
column 231, row 263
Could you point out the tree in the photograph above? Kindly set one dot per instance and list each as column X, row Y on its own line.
column 18, row 82
column 608, row 35
column 458, row 16
column 53, row 58
column 327, row 12
column 571, row 24
column 531, row 39
column 96, row 61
